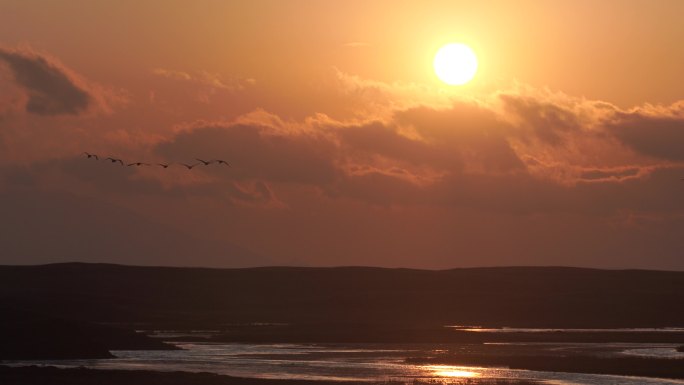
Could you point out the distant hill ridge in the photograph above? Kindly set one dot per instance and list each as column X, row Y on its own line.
column 488, row 296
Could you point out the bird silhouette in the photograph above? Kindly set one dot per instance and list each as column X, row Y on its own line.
column 190, row 166
column 219, row 161
column 164, row 165
column 206, row 162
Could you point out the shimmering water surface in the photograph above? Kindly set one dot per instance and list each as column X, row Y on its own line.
column 564, row 330
column 349, row 362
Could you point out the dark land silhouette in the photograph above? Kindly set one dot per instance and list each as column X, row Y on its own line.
column 31, row 336
column 166, row 297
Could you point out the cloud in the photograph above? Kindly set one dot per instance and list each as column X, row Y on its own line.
column 617, row 174
column 659, row 136
column 520, row 176
column 102, row 178
column 258, row 151
column 536, row 142
column 175, row 86
column 366, row 98
column 521, row 153
column 549, row 121
column 470, row 131
column 79, row 228
column 172, row 74
column 206, row 79
column 365, row 143
column 52, row 89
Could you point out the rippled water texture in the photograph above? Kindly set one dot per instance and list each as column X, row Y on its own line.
column 345, row 362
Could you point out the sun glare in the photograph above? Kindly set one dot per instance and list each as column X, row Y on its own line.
column 455, row 64
column 450, row 371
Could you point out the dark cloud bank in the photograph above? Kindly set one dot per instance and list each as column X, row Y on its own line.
column 51, row 89
column 526, row 178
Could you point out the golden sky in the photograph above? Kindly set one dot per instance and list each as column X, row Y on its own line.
column 567, row 148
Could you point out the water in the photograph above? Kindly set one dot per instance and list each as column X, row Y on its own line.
column 564, row 330
column 655, row 351
column 348, row 362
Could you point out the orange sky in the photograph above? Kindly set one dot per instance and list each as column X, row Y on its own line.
column 567, row 148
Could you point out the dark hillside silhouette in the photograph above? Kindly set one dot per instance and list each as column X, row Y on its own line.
column 158, row 297
column 31, row 336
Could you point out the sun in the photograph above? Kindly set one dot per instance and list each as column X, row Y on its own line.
column 455, row 64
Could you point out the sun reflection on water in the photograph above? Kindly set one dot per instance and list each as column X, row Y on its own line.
column 450, row 371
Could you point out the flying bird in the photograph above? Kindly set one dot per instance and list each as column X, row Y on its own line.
column 138, row 164
column 219, row 161
column 165, row 165
column 89, row 155
column 114, row 160
column 190, row 166
column 206, row 162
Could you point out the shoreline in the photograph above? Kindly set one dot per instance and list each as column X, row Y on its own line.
column 40, row 375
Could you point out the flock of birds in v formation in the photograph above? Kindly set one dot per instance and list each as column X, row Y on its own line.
column 164, row 165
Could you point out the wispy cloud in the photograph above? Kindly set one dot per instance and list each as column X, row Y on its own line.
column 205, row 78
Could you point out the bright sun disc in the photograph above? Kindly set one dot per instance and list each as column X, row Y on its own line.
column 455, row 64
